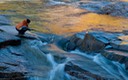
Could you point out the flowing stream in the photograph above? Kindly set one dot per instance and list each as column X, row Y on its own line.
column 57, row 71
column 44, row 66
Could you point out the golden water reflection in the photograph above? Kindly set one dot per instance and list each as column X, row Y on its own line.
column 67, row 19
column 61, row 19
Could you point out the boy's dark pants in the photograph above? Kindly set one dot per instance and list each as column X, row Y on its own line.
column 23, row 30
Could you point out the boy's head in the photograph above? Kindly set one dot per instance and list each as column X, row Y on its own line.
column 28, row 20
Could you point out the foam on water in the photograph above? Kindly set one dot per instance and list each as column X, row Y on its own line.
column 57, row 73
column 52, row 2
column 82, row 54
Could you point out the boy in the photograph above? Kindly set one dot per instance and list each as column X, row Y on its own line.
column 22, row 27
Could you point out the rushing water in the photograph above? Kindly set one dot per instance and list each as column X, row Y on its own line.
column 57, row 71
column 114, row 68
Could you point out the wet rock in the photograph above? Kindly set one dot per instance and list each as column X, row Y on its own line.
column 12, row 76
column 96, row 41
column 66, row 44
column 71, row 43
column 119, row 46
column 125, row 32
column 116, row 9
column 4, row 21
column 1, row 30
column 109, row 7
column 12, row 67
column 94, row 6
column 121, row 43
column 70, row 46
column 2, row 68
column 76, row 71
column 117, row 56
column 8, row 40
column 77, row 39
column 92, row 44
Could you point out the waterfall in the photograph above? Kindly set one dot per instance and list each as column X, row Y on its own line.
column 57, row 72
column 51, row 60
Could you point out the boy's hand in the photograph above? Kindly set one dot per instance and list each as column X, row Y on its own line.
column 29, row 29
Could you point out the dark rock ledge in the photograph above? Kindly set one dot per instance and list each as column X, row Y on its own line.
column 8, row 40
column 12, row 76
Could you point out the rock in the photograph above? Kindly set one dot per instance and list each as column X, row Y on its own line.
column 8, row 40
column 73, row 42
column 75, row 70
column 109, row 7
column 121, row 43
column 77, row 39
column 125, row 32
column 2, row 68
column 66, row 44
column 96, row 41
column 70, row 46
column 116, row 9
column 4, row 21
column 92, row 44
column 12, row 76
column 94, row 6
column 116, row 55
column 12, row 67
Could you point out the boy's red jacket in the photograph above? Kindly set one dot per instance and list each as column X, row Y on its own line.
column 23, row 23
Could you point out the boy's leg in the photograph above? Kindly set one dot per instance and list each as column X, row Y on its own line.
column 23, row 30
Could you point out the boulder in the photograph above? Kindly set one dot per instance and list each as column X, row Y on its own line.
column 77, row 38
column 66, row 44
column 92, row 43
